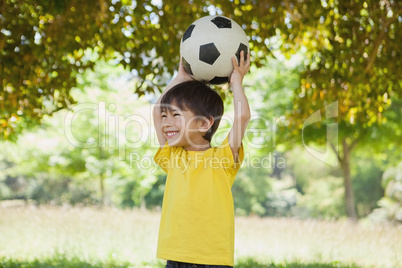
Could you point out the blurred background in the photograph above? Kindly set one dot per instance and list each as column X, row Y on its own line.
column 322, row 180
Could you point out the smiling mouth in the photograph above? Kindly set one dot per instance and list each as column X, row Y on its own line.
column 171, row 133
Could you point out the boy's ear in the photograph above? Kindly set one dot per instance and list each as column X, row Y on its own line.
column 205, row 124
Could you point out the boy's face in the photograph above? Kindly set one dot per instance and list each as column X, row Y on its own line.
column 181, row 127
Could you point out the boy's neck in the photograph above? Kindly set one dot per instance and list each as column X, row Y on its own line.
column 203, row 146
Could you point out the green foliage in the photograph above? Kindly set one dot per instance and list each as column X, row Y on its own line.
column 323, row 198
column 319, row 185
column 58, row 163
column 153, row 199
column 366, row 176
column 348, row 64
column 349, row 61
column 270, row 90
column 45, row 45
column 250, row 191
column 128, row 197
column 306, row 169
column 45, row 190
column 281, row 202
column 349, row 46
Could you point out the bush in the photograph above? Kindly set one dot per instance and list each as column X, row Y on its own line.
column 391, row 204
column 366, row 178
column 323, row 198
column 46, row 190
column 250, row 191
column 153, row 199
column 281, row 203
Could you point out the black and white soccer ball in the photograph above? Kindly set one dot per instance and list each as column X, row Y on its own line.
column 207, row 48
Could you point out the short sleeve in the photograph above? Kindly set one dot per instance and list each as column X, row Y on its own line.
column 163, row 156
column 224, row 152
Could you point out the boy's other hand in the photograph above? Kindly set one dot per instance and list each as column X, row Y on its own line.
column 239, row 69
column 182, row 75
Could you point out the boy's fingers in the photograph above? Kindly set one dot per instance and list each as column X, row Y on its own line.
column 234, row 62
column 242, row 58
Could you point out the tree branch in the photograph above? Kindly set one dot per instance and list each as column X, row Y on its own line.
column 336, row 152
column 103, row 7
column 374, row 51
column 291, row 12
column 378, row 41
column 59, row 20
column 353, row 144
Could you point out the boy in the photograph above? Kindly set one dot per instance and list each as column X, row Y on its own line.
column 197, row 221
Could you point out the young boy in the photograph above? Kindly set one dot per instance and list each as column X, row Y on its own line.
column 197, row 221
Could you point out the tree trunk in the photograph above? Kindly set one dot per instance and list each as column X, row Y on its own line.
column 347, row 182
column 102, row 189
column 102, row 176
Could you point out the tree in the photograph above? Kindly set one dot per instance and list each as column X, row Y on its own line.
column 44, row 45
column 349, row 48
column 91, row 153
column 350, row 62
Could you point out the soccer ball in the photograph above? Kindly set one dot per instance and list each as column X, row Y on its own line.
column 207, row 48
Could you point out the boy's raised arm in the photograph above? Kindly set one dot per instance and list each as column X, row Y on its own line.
column 240, row 102
column 181, row 77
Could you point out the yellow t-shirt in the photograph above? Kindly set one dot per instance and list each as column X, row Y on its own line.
column 197, row 221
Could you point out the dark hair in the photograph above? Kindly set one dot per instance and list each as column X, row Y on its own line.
column 199, row 99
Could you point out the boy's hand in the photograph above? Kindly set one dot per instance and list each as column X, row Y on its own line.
column 239, row 69
column 182, row 75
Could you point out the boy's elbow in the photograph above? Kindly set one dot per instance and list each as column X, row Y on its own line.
column 244, row 116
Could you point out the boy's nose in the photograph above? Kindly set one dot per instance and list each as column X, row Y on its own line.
column 166, row 123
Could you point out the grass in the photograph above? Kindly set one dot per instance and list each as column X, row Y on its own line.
column 90, row 237
column 61, row 261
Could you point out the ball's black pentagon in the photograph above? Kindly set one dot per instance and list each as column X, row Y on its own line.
column 188, row 32
column 217, row 80
column 242, row 47
column 222, row 22
column 186, row 66
column 209, row 53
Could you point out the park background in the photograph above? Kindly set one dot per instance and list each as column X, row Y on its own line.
column 79, row 78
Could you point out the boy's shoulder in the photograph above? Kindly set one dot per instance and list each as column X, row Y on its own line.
column 215, row 148
column 220, row 156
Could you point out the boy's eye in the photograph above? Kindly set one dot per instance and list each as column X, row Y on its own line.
column 163, row 115
column 176, row 114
